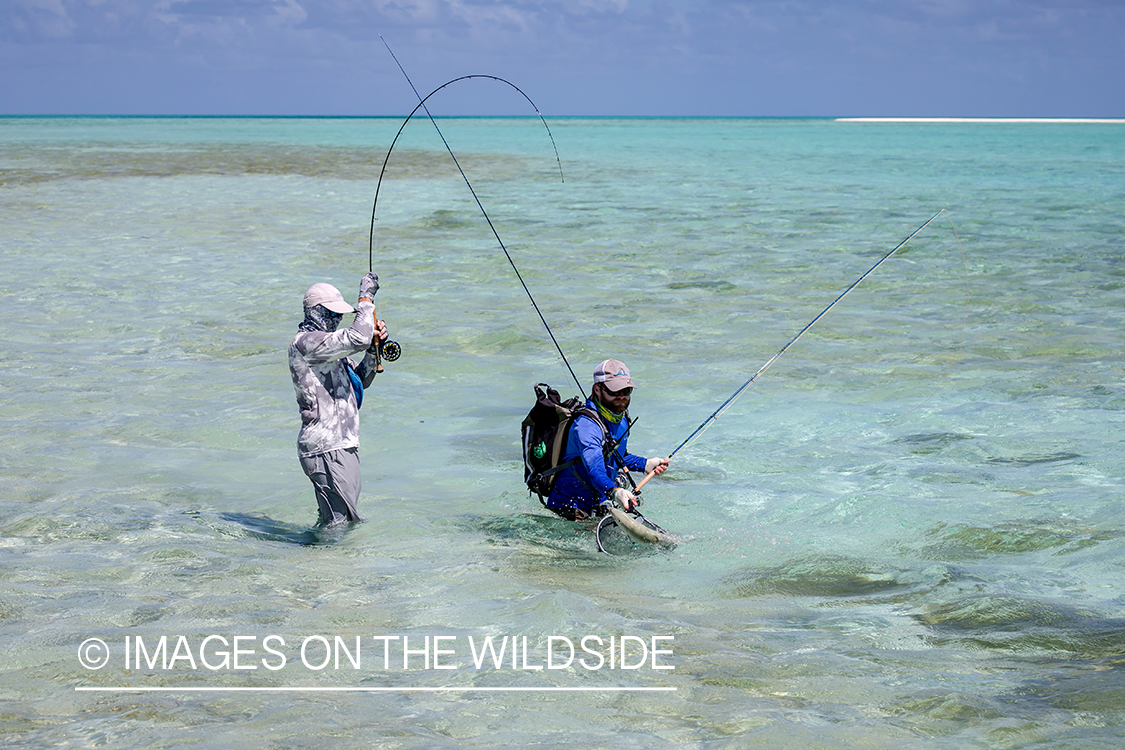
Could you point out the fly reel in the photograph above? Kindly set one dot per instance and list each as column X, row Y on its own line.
column 391, row 350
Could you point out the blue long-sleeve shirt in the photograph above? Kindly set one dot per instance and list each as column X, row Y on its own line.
column 584, row 485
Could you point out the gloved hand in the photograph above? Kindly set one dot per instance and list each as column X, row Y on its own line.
column 626, row 499
column 658, row 465
column 368, row 285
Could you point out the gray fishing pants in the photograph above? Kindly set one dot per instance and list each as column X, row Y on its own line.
column 336, row 480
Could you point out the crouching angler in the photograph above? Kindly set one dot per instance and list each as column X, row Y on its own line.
column 330, row 385
column 597, row 450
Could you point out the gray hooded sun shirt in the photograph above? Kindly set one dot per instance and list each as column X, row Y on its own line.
column 317, row 356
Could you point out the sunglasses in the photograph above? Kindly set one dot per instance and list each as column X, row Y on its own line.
column 624, row 392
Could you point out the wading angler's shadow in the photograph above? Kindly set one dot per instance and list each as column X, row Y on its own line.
column 271, row 530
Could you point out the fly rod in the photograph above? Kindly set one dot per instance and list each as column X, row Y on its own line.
column 422, row 105
column 769, row 363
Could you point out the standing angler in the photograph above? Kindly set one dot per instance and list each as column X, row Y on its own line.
column 329, row 389
column 596, row 449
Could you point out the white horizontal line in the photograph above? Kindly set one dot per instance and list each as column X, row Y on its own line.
column 983, row 119
column 316, row 689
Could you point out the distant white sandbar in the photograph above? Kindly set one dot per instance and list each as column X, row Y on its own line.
column 981, row 119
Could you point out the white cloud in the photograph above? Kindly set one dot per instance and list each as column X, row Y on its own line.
column 45, row 18
column 290, row 12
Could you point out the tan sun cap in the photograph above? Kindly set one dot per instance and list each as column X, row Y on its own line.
column 614, row 374
column 329, row 296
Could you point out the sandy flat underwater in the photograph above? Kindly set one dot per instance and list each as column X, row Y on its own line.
column 908, row 532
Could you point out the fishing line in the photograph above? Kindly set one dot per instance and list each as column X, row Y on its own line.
column 769, row 363
column 422, row 105
column 949, row 367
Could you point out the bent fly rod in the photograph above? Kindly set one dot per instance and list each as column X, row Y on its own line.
column 422, row 105
column 769, row 363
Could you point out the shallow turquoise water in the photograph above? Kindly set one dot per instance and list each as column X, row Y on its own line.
column 908, row 531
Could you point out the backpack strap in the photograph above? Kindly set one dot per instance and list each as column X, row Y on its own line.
column 585, row 411
column 562, row 435
column 559, row 468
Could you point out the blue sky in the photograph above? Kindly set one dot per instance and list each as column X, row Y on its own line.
column 962, row 58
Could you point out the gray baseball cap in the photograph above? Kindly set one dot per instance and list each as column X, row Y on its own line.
column 329, row 296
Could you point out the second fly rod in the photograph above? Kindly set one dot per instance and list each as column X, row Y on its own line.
column 769, row 363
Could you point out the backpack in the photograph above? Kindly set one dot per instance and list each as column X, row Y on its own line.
column 544, row 434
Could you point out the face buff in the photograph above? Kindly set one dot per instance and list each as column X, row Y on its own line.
column 606, row 414
column 320, row 318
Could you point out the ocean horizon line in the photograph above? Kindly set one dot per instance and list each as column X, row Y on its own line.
column 861, row 119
